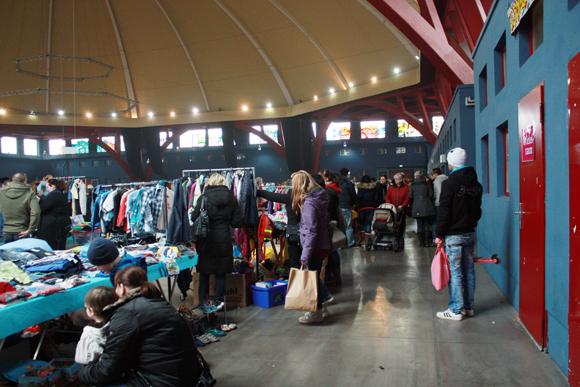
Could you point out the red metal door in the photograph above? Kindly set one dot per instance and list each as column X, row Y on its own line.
column 574, row 144
column 532, row 213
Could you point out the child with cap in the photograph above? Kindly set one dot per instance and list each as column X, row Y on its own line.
column 104, row 254
column 90, row 346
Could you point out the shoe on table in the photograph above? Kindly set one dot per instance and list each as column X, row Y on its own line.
column 217, row 304
column 312, row 317
column 450, row 315
column 469, row 312
column 206, row 306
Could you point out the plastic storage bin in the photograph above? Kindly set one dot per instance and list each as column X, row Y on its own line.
column 82, row 238
column 270, row 297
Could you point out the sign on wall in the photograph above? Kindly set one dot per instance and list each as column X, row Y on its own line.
column 528, row 140
column 516, row 11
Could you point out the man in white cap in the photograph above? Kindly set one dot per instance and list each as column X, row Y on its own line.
column 458, row 213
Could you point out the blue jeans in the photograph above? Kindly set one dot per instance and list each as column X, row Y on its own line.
column 347, row 213
column 365, row 219
column 459, row 249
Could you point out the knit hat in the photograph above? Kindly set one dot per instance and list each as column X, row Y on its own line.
column 102, row 251
column 457, row 157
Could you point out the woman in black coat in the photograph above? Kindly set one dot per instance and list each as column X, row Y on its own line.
column 150, row 343
column 55, row 221
column 365, row 202
column 421, row 193
column 216, row 251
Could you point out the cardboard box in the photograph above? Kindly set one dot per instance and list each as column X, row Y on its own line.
column 238, row 289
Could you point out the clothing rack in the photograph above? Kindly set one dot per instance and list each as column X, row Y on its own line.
column 69, row 177
column 188, row 172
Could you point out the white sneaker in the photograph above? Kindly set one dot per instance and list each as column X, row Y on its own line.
column 325, row 312
column 450, row 315
column 468, row 312
column 312, row 317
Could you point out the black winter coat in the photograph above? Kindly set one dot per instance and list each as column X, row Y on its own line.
column 459, row 203
column 367, row 195
column 149, row 337
column 347, row 196
column 333, row 200
column 382, row 192
column 215, row 252
column 54, row 217
column 421, row 193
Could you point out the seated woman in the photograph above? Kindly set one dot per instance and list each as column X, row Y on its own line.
column 150, row 343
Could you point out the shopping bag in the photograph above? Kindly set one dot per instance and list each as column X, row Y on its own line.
column 200, row 227
column 337, row 237
column 302, row 292
column 440, row 274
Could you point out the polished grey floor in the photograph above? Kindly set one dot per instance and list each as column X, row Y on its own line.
column 382, row 331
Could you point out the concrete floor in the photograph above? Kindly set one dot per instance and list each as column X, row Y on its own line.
column 382, row 331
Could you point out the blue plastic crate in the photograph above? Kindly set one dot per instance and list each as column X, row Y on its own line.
column 270, row 297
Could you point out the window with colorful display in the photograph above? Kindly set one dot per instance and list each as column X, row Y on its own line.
column 30, row 147
column 193, row 139
column 9, row 145
column 372, row 129
column 437, row 123
column 406, row 130
column 215, row 137
column 163, row 136
column 109, row 141
column 55, row 147
column 81, row 145
column 269, row 130
column 338, row 131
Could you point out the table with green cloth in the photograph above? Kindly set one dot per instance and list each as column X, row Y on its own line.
column 17, row 317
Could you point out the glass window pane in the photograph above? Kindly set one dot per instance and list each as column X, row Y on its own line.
column 193, row 138
column 30, row 147
column 163, row 136
column 437, row 123
column 406, row 130
column 372, row 129
column 9, row 145
column 255, row 139
column 122, row 144
column 314, row 129
column 338, row 131
column 215, row 137
column 55, row 147
column 109, row 141
column 81, row 145
column 271, row 131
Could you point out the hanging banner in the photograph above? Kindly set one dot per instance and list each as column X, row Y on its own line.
column 516, row 11
column 528, row 141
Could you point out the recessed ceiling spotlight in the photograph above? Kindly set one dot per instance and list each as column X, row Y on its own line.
column 2, row 111
column 195, row 110
column 397, row 70
column 172, row 114
column 150, row 114
column 60, row 112
column 89, row 115
column 351, row 84
column 269, row 105
column 417, row 57
column 331, row 90
column 244, row 108
column 315, row 97
column 374, row 79
column 113, row 115
column 31, row 113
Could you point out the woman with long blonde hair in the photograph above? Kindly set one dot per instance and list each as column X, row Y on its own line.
column 312, row 202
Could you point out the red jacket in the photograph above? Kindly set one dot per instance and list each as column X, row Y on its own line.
column 399, row 196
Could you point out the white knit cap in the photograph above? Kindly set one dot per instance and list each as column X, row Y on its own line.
column 457, row 157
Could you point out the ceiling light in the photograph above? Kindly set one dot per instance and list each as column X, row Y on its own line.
column 2, row 111
column 172, row 114
column 397, row 70
column 150, row 114
column 244, row 108
column 269, row 105
column 400, row 166
column 89, row 115
column 351, row 84
column 344, row 144
column 331, row 90
column 315, row 97
column 60, row 112
column 31, row 113
column 113, row 115
column 195, row 110
column 259, row 147
column 374, row 79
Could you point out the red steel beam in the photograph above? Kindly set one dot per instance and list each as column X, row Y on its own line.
column 427, row 39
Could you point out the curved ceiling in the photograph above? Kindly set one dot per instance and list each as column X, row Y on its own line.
column 176, row 55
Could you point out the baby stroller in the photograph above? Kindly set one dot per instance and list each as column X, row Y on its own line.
column 385, row 229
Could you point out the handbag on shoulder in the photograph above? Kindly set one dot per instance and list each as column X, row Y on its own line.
column 200, row 228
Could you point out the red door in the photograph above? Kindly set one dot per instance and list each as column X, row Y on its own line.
column 574, row 144
column 532, row 213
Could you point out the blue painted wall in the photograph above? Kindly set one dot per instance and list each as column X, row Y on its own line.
column 498, row 231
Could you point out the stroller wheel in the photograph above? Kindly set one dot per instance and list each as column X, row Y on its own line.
column 396, row 245
column 368, row 244
column 402, row 243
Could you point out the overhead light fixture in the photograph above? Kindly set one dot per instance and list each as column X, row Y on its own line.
column 113, row 115
column 400, row 166
column 244, row 108
column 315, row 97
column 344, row 144
column 417, row 57
column 150, row 114
column 89, row 115
column 172, row 114
column 397, row 70
column 195, row 110
column 269, row 105
column 2, row 111
column 259, row 147
column 31, row 113
column 374, row 79
column 331, row 90
column 60, row 112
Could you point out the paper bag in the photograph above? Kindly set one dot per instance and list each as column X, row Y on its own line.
column 302, row 293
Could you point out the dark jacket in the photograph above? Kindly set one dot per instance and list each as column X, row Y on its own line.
column 54, row 217
column 333, row 192
column 421, row 193
column 178, row 229
column 314, row 220
column 367, row 195
column 149, row 337
column 215, row 252
column 459, row 204
column 347, row 196
column 382, row 192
